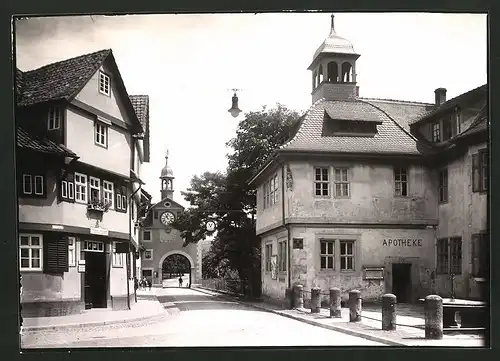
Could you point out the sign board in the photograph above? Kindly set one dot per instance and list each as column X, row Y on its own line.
column 210, row 226
column 56, row 226
column 81, row 268
column 99, row 231
column 373, row 273
column 274, row 267
column 402, row 242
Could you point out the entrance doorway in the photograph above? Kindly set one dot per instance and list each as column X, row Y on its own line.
column 175, row 267
column 95, row 280
column 401, row 282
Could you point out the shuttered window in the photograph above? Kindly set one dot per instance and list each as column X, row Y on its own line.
column 120, row 198
column 55, row 255
column 67, row 187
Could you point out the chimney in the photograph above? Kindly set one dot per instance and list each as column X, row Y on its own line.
column 440, row 96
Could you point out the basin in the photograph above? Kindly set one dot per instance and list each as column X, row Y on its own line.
column 463, row 315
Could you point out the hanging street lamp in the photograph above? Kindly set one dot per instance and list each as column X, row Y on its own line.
column 234, row 110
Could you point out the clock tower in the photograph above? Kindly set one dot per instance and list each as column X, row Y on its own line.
column 167, row 180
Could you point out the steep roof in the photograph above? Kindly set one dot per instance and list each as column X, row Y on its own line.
column 60, row 80
column 391, row 138
column 478, row 125
column 141, row 107
column 64, row 79
column 452, row 103
column 40, row 144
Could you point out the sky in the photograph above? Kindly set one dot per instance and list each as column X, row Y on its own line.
column 188, row 64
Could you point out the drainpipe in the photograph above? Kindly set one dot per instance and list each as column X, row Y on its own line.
column 127, row 259
column 287, row 227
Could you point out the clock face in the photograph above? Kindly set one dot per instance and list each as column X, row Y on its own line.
column 167, row 218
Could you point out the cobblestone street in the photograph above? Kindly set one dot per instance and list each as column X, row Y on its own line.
column 192, row 318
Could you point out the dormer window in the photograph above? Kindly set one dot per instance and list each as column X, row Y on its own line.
column 104, row 84
column 54, row 118
column 350, row 128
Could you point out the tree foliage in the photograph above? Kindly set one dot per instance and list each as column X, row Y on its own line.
column 176, row 264
column 227, row 199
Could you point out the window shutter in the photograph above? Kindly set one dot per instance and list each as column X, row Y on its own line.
column 475, row 172
column 116, row 195
column 124, row 193
column 50, row 256
column 62, row 254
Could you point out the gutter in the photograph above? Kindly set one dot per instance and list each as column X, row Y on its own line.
column 286, row 226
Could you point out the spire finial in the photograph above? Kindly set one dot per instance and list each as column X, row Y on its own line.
column 333, row 24
column 166, row 153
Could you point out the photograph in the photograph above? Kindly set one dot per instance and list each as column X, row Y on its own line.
column 276, row 179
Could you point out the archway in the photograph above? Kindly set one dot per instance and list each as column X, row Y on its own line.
column 175, row 265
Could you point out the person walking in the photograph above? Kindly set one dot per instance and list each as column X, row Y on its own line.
column 180, row 281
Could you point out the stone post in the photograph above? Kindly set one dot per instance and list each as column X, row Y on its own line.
column 433, row 317
column 298, row 296
column 388, row 312
column 315, row 299
column 335, row 303
column 354, row 306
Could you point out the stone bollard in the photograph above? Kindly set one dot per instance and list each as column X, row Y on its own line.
column 298, row 296
column 315, row 299
column 335, row 303
column 388, row 312
column 354, row 306
column 433, row 317
column 289, row 297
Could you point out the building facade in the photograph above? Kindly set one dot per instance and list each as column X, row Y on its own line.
column 358, row 198
column 77, row 212
column 161, row 241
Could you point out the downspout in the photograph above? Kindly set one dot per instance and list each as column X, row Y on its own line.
column 286, row 225
column 127, row 259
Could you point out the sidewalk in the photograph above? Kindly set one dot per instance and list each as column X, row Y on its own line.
column 409, row 329
column 147, row 307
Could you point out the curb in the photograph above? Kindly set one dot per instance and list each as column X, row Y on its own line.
column 93, row 323
column 341, row 329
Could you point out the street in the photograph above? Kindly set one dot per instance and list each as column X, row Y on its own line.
column 193, row 318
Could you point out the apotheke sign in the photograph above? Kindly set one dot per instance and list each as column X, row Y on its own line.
column 402, row 242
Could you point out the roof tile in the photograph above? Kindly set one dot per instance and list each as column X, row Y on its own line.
column 40, row 144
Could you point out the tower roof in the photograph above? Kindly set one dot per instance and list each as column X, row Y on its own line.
column 335, row 44
column 166, row 171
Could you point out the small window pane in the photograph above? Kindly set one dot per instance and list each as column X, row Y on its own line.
column 330, row 262
column 25, row 262
column 349, row 263
column 342, row 262
column 35, row 263
column 25, row 253
column 323, row 247
column 25, row 241
column 330, row 248
column 35, row 241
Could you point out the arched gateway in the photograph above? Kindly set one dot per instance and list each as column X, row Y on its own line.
column 163, row 247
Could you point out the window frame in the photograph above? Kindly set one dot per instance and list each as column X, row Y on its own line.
column 443, row 186
column 282, row 256
column 455, row 258
column 54, row 118
column 442, row 254
column 33, row 180
column 340, row 182
column 72, row 251
column 30, row 247
column 101, row 138
column 479, row 257
column 148, row 231
column 321, row 181
column 30, row 177
column 84, row 187
column 436, row 132
column 104, row 83
column 117, row 258
column 110, row 191
column 326, row 255
column 268, row 251
column 96, row 186
column 398, row 180
column 480, row 171
column 346, row 255
column 150, row 250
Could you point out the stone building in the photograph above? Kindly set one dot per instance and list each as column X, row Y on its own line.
column 81, row 141
column 161, row 242
column 363, row 197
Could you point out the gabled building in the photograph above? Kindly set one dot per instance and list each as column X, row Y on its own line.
column 352, row 199
column 161, row 241
column 78, row 211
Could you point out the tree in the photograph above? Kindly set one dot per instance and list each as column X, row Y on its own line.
column 227, row 199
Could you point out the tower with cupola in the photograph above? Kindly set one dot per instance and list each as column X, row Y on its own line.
column 334, row 69
column 167, row 180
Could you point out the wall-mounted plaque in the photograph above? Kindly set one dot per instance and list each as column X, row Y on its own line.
column 81, row 268
column 298, row 243
column 373, row 273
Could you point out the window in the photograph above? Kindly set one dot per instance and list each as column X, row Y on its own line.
column 436, row 132
column 401, row 182
column 347, row 255
column 449, row 255
column 447, row 129
column 33, row 184
column 121, row 198
column 341, row 182
column 71, row 251
column 93, row 246
column 107, row 189
column 67, row 190
column 146, row 235
column 456, row 255
column 54, row 118
column 117, row 257
column 443, row 186
column 104, row 84
column 95, row 189
column 321, row 187
column 80, row 188
column 480, row 255
column 271, row 191
column 155, row 214
column 268, row 253
column 480, row 171
column 148, row 254
column 327, row 255
column 101, row 134
column 282, row 256
column 30, row 252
